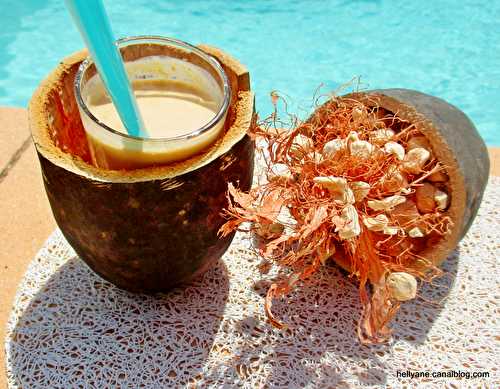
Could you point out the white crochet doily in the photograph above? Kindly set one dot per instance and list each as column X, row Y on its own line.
column 71, row 329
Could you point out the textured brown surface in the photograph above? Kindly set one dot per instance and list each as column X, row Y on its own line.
column 152, row 235
column 25, row 216
column 148, row 229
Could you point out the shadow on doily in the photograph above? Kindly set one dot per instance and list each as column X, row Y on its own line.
column 321, row 341
column 81, row 331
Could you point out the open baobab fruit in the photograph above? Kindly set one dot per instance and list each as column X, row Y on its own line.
column 385, row 183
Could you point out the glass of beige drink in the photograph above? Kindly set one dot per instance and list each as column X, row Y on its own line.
column 183, row 96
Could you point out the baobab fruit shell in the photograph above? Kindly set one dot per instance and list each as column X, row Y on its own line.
column 455, row 142
column 146, row 229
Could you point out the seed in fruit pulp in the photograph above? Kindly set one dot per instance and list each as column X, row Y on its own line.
column 401, row 286
column 387, row 203
column 415, row 160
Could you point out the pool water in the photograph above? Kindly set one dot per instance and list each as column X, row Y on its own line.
column 446, row 48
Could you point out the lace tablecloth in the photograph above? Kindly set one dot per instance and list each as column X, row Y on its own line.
column 71, row 329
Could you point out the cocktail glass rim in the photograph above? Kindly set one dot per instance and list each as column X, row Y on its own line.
column 226, row 89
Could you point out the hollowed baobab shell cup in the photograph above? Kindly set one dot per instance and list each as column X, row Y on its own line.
column 147, row 229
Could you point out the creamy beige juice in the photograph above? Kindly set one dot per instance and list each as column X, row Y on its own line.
column 169, row 107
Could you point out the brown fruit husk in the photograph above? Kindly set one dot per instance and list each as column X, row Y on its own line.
column 147, row 229
column 381, row 231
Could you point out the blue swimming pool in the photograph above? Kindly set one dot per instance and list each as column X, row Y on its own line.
column 447, row 48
